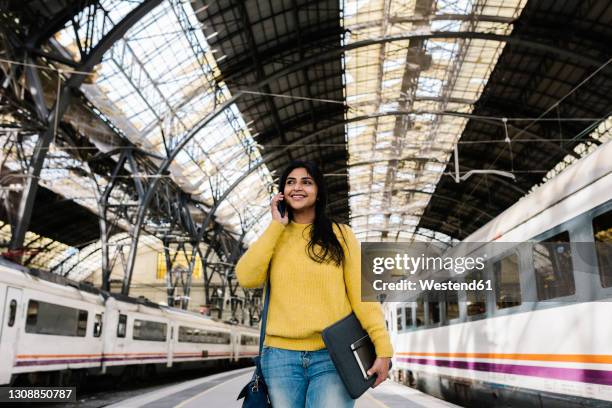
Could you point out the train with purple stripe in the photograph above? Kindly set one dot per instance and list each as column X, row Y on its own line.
column 55, row 332
column 542, row 337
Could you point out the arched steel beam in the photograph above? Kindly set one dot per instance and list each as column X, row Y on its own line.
column 415, row 232
column 399, row 159
column 324, row 114
column 432, row 194
column 502, row 109
column 495, row 106
column 498, row 179
column 501, row 180
column 443, row 113
column 470, row 116
column 416, row 226
column 304, row 142
column 435, row 17
column 510, row 39
column 322, row 57
column 421, row 159
column 55, row 114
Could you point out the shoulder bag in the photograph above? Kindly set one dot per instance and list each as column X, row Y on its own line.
column 255, row 393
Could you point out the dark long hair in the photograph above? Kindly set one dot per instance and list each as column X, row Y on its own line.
column 323, row 245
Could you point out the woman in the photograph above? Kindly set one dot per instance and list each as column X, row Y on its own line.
column 315, row 281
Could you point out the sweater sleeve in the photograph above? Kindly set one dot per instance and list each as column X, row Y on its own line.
column 252, row 267
column 369, row 313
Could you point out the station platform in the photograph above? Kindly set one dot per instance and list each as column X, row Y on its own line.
column 220, row 390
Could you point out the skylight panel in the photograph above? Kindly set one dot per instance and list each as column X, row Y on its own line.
column 454, row 6
column 424, row 77
column 149, row 86
column 429, row 87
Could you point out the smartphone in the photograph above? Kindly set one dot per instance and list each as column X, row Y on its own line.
column 282, row 207
column 363, row 351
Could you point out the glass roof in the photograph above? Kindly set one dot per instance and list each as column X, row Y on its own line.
column 400, row 135
column 154, row 86
column 408, row 105
column 157, row 84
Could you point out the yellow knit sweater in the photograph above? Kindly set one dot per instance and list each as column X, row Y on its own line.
column 308, row 296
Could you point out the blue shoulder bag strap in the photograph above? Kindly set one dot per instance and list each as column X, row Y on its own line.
column 264, row 315
column 255, row 393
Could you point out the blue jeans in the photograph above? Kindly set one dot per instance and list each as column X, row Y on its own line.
column 298, row 379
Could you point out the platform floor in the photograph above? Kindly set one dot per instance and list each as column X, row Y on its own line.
column 220, row 390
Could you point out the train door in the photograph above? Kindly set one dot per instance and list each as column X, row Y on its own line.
column 171, row 345
column 236, row 346
column 2, row 297
column 9, row 316
column 109, row 336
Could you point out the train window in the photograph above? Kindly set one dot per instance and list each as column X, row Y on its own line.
column 552, row 261
column 192, row 335
column 452, row 304
column 507, row 282
column 49, row 318
column 220, row 338
column 189, row 335
column 420, row 313
column 400, row 323
column 602, row 233
column 249, row 340
column 121, row 325
column 97, row 329
column 32, row 314
column 408, row 315
column 82, row 324
column 433, row 309
column 148, row 330
column 475, row 299
column 12, row 313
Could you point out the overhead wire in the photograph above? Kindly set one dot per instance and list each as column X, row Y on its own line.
column 532, row 120
column 553, row 106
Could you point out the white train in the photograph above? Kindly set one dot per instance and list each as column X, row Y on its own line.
column 543, row 336
column 53, row 333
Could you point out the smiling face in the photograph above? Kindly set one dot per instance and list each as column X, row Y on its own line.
column 300, row 190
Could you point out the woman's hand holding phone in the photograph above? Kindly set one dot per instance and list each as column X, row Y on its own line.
column 276, row 215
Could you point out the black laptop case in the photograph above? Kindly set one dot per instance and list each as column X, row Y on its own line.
column 338, row 339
